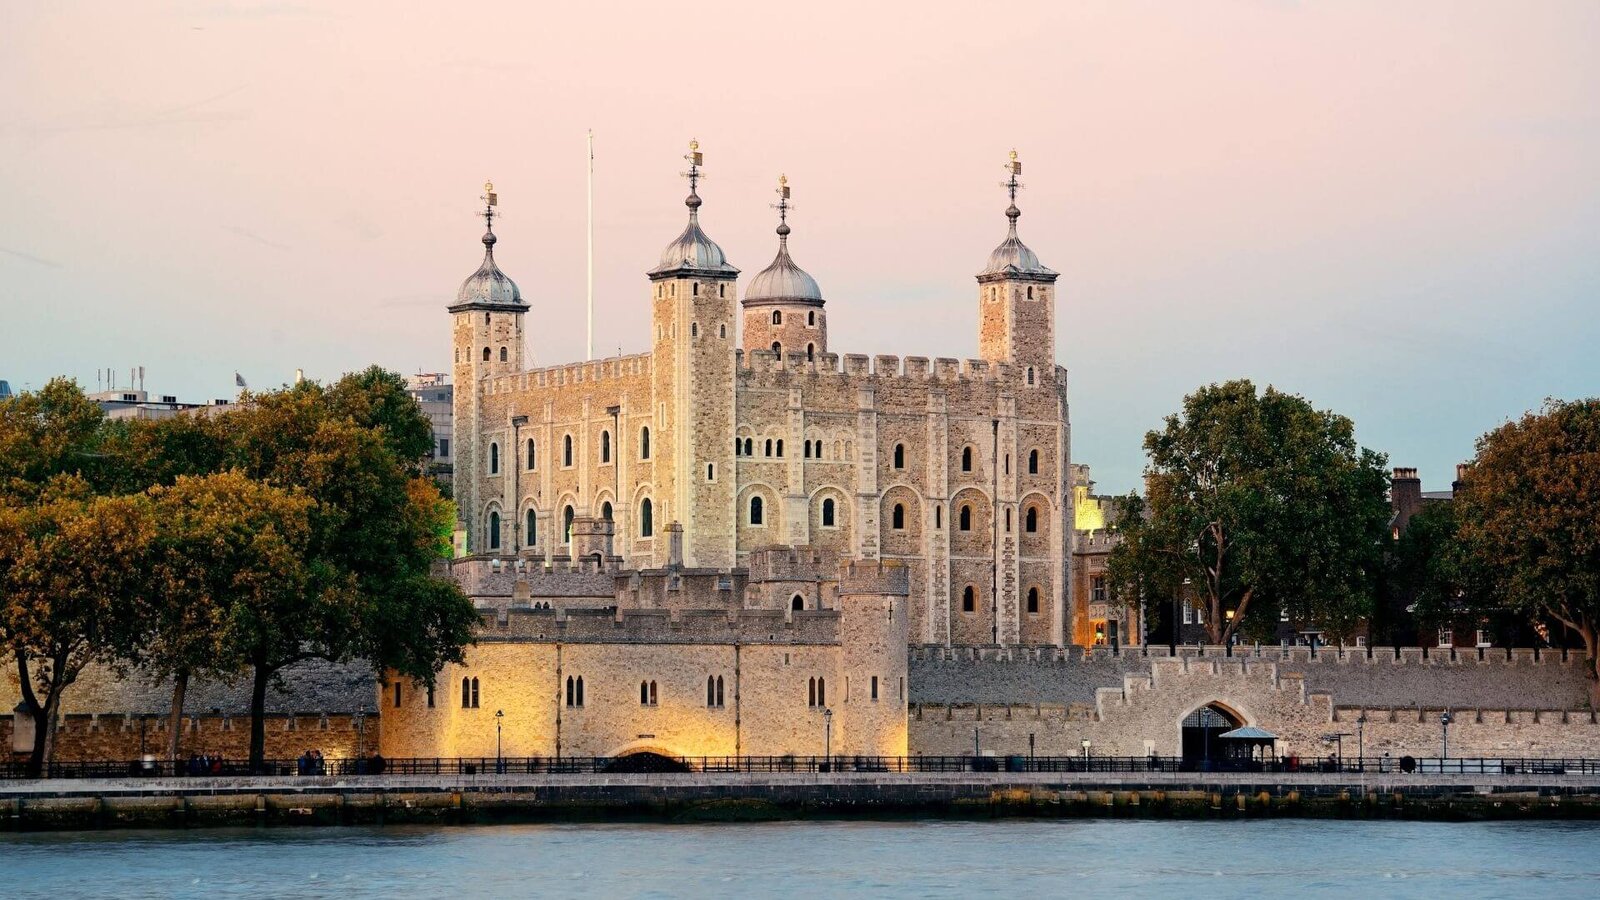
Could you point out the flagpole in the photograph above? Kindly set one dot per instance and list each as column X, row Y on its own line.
column 589, row 347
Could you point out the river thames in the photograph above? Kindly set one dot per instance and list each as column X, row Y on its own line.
column 1301, row 858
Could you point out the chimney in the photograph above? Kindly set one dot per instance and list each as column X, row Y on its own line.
column 1462, row 470
column 1405, row 496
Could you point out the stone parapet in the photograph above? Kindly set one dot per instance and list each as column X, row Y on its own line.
column 875, row 576
column 661, row 626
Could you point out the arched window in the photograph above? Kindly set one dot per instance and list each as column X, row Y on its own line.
column 969, row 599
column 532, row 454
column 780, row 447
column 756, row 513
column 1008, row 520
column 1033, row 600
column 647, row 525
column 711, row 691
column 827, row 512
column 485, row 318
column 797, row 603
column 711, row 471
column 647, row 693
column 777, row 317
column 644, row 442
column 719, row 690
column 811, row 352
column 722, row 331
column 580, row 690
column 749, row 447
column 566, row 450
column 769, row 447
column 605, row 510
column 808, row 450
column 811, row 692
column 938, row 516
column 494, row 459
column 897, row 519
column 1033, row 462
column 474, row 693
column 777, row 349
column 966, row 517
column 694, row 332
column 532, row 531
column 605, row 446
column 566, row 524
column 899, row 456
column 1030, row 292
column 822, row 692
column 966, row 459
column 811, row 317
column 1031, row 523
column 494, row 531
column 571, row 694
column 1030, row 376
column 1008, row 464
column 486, row 354
column 502, row 354
column 466, row 693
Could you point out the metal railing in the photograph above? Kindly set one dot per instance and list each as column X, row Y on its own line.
column 651, row 763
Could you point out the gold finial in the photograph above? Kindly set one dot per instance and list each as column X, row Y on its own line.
column 489, row 196
column 1013, row 155
column 488, row 186
column 694, row 144
column 783, row 180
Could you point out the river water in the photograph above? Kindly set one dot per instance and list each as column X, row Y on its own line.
column 1245, row 859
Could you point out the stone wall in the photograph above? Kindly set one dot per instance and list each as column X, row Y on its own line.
column 127, row 737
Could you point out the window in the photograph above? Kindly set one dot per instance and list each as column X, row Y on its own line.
column 769, row 447
column 1483, row 641
column 532, row 454
column 1097, row 589
column 644, row 442
column 811, row 352
column 1032, row 523
column 1033, row 600
column 827, row 512
column 722, row 290
column 1188, row 614
column 397, row 695
column 966, row 518
column 780, row 447
column 756, row 513
column 777, row 349
column 874, row 687
column 817, row 692
column 605, row 446
column 777, row 317
column 722, row 331
column 1361, row 640
column 486, row 354
column 566, row 450
column 444, row 447
column 647, row 526
column 574, row 691
column 532, row 529
column 797, row 603
column 469, row 693
column 647, row 693
column 897, row 518
column 566, row 525
column 494, row 459
column 430, row 696
column 749, row 447
column 811, row 317
column 714, row 691
column 1008, row 520
column 711, row 471
column 966, row 459
column 1447, row 637
column 969, row 599
column 494, row 531
column 938, row 517
column 1030, row 376
column 808, row 450
column 1008, row 464
column 695, row 290
column 502, row 354
column 694, row 332
column 485, row 318
column 605, row 510
column 899, row 456
column 1033, row 462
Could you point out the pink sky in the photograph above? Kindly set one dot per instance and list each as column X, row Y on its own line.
column 1393, row 209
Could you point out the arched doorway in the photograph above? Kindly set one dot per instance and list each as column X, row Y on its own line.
column 1200, row 730
column 647, row 762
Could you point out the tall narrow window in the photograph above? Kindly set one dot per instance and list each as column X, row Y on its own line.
column 566, row 450
column 430, row 696
column 777, row 317
column 502, row 354
column 605, row 446
column 466, row 693
column 966, row 518
column 1030, row 376
column 769, row 447
column 644, row 442
column 966, row 459
column 757, row 516
column 938, row 516
column 486, row 354
column 1032, row 523
column 827, row 512
column 494, row 531
column 749, row 447
column 711, row 471
column 822, row 692
column 719, row 690
column 808, row 450
column 647, row 526
column 811, row 317
column 811, row 692
column 494, row 459
column 711, row 691
column 797, row 603
column 566, row 525
column 605, row 510
column 899, row 456
column 474, row 693
column 777, row 349
column 1008, row 520
column 1033, row 462
column 811, row 352
column 531, row 532
column 780, row 447
column 694, row 331
column 532, row 454
column 1033, row 600
column 897, row 519
column 969, row 599
column 580, row 690
column 874, row 687
column 571, row 695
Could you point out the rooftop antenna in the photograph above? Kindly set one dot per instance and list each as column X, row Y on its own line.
column 589, row 346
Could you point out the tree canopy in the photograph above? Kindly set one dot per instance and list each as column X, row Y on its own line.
column 1257, row 504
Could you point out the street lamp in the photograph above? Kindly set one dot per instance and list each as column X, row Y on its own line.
column 1361, row 741
column 361, row 739
column 1085, row 743
column 1444, row 722
column 827, row 737
column 499, row 766
column 1030, row 751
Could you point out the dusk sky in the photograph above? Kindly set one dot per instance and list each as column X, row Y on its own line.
column 1391, row 208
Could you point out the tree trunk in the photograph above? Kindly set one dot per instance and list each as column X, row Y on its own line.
column 44, row 733
column 1590, row 638
column 258, row 720
column 36, row 712
column 180, row 687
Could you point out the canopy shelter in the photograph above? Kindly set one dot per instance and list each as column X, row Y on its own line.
column 1247, row 746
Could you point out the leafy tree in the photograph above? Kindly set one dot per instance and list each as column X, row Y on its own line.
column 73, row 571
column 53, row 431
column 230, row 554
column 1257, row 503
column 1529, row 515
column 1432, row 572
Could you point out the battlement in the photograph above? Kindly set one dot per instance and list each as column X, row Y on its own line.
column 889, row 577
column 1097, row 541
column 597, row 370
column 661, row 626
column 786, row 563
column 911, row 368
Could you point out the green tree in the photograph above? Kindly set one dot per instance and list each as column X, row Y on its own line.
column 1257, row 504
column 1529, row 515
column 53, row 431
column 73, row 572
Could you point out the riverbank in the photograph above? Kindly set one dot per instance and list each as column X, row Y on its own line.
column 73, row 804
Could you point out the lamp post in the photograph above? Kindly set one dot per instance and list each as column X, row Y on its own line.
column 1444, row 722
column 1361, row 741
column 499, row 766
column 827, row 737
column 1030, row 751
column 361, row 738
column 1085, row 744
